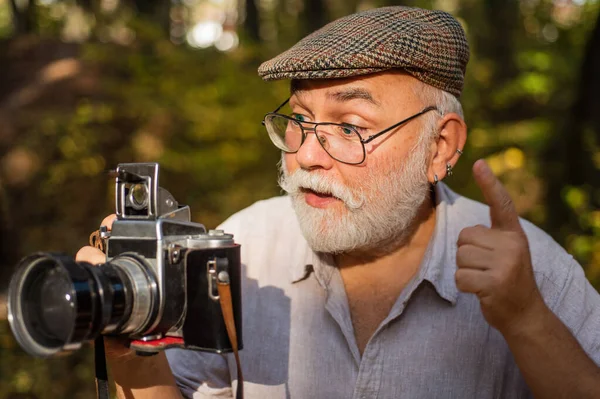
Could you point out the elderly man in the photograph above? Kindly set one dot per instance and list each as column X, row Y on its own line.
column 372, row 279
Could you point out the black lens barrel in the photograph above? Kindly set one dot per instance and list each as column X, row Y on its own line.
column 114, row 297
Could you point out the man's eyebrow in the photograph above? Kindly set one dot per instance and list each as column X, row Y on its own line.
column 353, row 93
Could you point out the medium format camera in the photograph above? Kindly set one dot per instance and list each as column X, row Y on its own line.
column 159, row 282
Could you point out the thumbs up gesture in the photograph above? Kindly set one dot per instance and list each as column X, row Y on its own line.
column 494, row 262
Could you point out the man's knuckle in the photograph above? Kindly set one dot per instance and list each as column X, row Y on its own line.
column 460, row 254
column 83, row 253
column 89, row 254
column 506, row 204
column 466, row 234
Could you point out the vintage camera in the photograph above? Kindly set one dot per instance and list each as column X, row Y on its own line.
column 159, row 282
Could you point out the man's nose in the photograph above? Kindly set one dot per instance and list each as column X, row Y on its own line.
column 311, row 154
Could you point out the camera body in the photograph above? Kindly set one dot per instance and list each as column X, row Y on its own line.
column 159, row 280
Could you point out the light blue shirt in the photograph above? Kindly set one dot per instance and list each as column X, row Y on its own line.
column 298, row 335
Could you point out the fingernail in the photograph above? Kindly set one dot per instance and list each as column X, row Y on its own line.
column 478, row 165
column 483, row 167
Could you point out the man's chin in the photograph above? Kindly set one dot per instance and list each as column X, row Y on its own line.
column 321, row 226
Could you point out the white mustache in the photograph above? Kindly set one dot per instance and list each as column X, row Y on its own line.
column 301, row 179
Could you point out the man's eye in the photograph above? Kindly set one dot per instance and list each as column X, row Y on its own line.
column 299, row 118
column 349, row 129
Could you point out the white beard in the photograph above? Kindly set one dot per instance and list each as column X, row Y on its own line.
column 377, row 213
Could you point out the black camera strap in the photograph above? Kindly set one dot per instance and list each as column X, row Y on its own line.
column 227, row 310
column 102, row 392
column 100, row 365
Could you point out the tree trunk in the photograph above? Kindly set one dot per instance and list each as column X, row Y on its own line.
column 23, row 17
column 252, row 20
column 8, row 243
column 585, row 117
column 315, row 15
column 157, row 11
column 503, row 18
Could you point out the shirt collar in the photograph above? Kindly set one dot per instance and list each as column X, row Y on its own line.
column 439, row 263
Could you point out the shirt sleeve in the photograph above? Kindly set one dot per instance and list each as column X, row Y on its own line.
column 578, row 306
column 200, row 375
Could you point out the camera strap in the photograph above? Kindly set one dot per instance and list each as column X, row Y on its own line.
column 100, row 366
column 224, row 289
column 102, row 392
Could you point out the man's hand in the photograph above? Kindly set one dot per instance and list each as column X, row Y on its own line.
column 494, row 263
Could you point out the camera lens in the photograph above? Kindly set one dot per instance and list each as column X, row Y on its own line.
column 55, row 303
column 49, row 297
column 50, row 305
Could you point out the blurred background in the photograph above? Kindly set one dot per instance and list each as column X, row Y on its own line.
column 87, row 84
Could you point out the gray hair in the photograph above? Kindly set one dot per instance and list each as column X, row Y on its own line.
column 444, row 102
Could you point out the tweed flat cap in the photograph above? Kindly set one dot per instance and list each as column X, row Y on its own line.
column 430, row 45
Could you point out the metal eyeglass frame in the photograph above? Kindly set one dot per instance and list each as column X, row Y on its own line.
column 362, row 141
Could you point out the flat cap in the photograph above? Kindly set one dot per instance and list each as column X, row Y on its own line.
column 430, row 45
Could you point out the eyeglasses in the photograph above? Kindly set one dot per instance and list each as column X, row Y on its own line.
column 341, row 141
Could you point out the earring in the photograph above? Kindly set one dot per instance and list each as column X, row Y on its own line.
column 435, row 180
column 459, row 152
column 448, row 169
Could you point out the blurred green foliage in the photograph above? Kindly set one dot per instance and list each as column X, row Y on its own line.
column 71, row 112
column 64, row 377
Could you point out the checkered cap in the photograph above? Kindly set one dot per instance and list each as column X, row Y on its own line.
column 430, row 45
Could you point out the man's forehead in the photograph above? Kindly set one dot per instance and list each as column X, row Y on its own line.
column 338, row 93
column 370, row 88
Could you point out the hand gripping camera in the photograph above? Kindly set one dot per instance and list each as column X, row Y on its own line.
column 160, row 282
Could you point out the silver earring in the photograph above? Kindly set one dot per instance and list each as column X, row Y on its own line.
column 448, row 169
column 459, row 152
column 435, row 180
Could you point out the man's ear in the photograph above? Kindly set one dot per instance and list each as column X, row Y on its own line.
column 448, row 146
